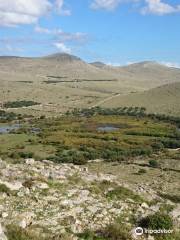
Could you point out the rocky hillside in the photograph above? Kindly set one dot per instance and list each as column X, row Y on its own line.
column 43, row 200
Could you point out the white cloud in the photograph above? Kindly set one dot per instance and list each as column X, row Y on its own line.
column 16, row 12
column 110, row 4
column 159, row 8
column 105, row 4
column 60, row 8
column 113, row 64
column 8, row 49
column 39, row 29
column 62, row 47
column 13, row 13
column 72, row 37
column 63, row 36
column 171, row 64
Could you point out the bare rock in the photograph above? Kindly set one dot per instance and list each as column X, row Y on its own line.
column 2, row 235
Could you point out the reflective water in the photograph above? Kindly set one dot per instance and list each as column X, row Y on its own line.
column 107, row 128
column 9, row 128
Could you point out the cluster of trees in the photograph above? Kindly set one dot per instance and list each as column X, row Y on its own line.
column 84, row 153
column 130, row 111
column 17, row 155
column 9, row 116
column 19, row 104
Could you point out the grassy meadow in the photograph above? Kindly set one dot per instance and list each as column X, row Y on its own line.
column 79, row 138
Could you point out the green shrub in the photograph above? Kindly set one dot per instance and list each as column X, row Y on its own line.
column 122, row 193
column 28, row 183
column 18, row 104
column 89, row 235
column 4, row 189
column 116, row 231
column 17, row 233
column 157, row 221
column 69, row 156
column 173, row 198
column 153, row 163
column 26, row 154
column 142, row 171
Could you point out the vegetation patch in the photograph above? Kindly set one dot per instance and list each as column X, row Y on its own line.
column 19, row 104
column 171, row 197
column 9, row 116
column 4, row 189
column 114, row 231
column 122, row 193
column 157, row 221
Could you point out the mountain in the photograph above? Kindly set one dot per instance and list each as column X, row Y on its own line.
column 64, row 57
column 146, row 75
column 164, row 99
column 98, row 64
column 67, row 81
column 53, row 65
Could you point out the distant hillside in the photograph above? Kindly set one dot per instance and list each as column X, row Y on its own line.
column 134, row 77
column 64, row 57
column 65, row 81
column 98, row 64
column 164, row 99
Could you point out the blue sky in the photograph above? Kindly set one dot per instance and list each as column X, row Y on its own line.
column 113, row 31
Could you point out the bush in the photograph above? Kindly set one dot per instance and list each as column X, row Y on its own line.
column 116, row 231
column 26, row 154
column 157, row 221
column 153, row 163
column 4, row 189
column 89, row 235
column 28, row 183
column 17, row 233
column 173, row 198
column 69, row 156
column 18, row 104
column 142, row 171
column 122, row 193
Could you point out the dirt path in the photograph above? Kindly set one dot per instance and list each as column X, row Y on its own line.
column 105, row 100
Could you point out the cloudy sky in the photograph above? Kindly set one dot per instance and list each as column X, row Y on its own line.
column 113, row 31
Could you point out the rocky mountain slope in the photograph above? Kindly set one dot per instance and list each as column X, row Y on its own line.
column 63, row 199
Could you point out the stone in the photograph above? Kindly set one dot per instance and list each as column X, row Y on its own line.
column 26, row 219
column 150, row 237
column 176, row 212
column 4, row 215
column 30, row 161
column 14, row 186
column 42, row 185
column 144, row 205
column 2, row 235
column 23, row 223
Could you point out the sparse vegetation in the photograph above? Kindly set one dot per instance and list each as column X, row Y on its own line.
column 122, row 193
column 4, row 189
column 157, row 221
column 17, row 233
column 114, row 231
column 153, row 163
column 171, row 197
column 19, row 104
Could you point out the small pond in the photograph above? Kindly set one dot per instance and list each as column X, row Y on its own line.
column 108, row 128
column 8, row 128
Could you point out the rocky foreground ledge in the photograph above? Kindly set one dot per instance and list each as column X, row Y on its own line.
column 64, row 199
